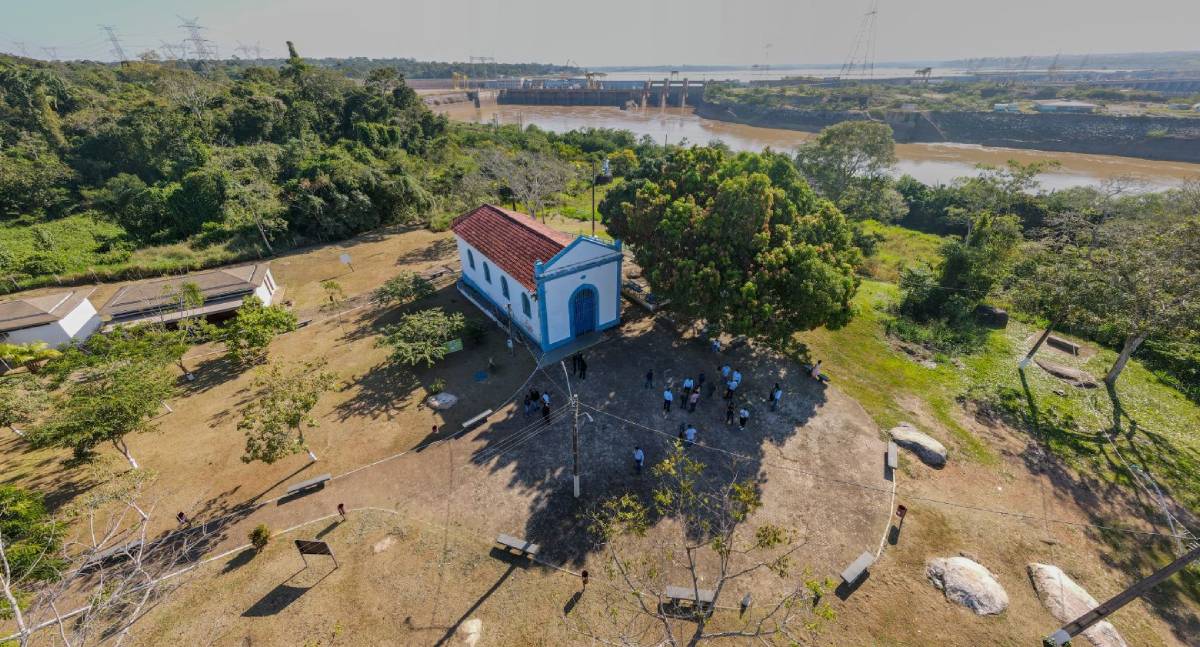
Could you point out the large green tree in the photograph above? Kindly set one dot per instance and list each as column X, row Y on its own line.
column 30, row 547
column 275, row 420
column 251, row 331
column 740, row 242
column 421, row 336
column 849, row 163
column 107, row 404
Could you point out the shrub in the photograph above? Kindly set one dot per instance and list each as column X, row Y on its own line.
column 260, row 536
column 402, row 288
column 422, row 336
column 437, row 386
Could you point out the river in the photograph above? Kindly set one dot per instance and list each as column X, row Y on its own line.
column 930, row 163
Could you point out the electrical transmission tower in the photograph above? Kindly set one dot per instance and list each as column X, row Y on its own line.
column 21, row 48
column 173, row 51
column 861, row 61
column 202, row 48
column 114, row 43
column 51, row 53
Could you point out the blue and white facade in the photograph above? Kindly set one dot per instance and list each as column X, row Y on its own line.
column 575, row 291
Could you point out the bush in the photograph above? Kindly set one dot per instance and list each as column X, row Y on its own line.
column 475, row 330
column 403, row 288
column 437, row 386
column 422, row 336
column 260, row 536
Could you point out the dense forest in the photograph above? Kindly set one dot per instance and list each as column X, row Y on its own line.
column 146, row 167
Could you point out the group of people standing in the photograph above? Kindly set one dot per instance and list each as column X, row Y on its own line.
column 535, row 400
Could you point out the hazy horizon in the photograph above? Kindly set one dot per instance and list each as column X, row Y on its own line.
column 616, row 33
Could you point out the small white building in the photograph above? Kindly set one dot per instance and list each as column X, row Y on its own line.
column 223, row 290
column 56, row 319
column 555, row 287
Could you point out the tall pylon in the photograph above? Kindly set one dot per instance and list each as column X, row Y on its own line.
column 861, row 61
column 115, row 43
column 51, row 53
column 201, row 47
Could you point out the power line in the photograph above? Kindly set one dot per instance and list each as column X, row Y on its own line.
column 114, row 43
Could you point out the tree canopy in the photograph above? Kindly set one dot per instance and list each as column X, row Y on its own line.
column 739, row 241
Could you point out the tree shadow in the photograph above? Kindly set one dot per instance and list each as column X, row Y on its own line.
column 443, row 249
column 1106, row 501
column 479, row 602
column 210, row 372
column 619, row 415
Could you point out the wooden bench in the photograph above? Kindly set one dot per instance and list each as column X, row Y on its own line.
column 855, row 570
column 680, row 596
column 477, row 419
column 314, row 483
column 893, row 460
column 523, row 548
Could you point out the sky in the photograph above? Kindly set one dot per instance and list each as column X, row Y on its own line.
column 609, row 32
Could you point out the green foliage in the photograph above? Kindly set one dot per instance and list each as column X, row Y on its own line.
column 22, row 399
column 105, row 405
column 275, row 420
column 421, row 336
column 31, row 355
column 849, row 163
column 32, row 542
column 403, row 288
column 739, row 241
column 259, row 536
column 968, row 271
column 334, row 293
column 251, row 331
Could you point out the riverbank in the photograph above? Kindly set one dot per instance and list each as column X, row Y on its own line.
column 931, row 163
column 1175, row 139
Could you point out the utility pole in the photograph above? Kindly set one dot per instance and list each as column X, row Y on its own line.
column 574, row 401
column 1113, row 604
column 593, row 197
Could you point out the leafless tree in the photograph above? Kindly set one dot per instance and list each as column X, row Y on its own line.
column 701, row 540
column 533, row 178
column 112, row 572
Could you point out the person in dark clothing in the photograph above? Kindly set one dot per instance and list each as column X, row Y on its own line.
column 582, row 369
column 527, row 405
column 729, row 413
column 546, row 411
column 649, row 379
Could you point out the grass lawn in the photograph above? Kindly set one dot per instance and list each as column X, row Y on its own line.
column 901, row 247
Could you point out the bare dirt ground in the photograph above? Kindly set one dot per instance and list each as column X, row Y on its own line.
column 416, row 558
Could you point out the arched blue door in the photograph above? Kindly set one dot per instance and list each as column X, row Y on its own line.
column 583, row 311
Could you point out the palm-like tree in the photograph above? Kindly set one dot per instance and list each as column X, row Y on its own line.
column 32, row 355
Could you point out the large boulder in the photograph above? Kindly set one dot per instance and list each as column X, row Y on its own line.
column 441, row 401
column 1066, row 601
column 968, row 583
column 1074, row 376
column 924, row 446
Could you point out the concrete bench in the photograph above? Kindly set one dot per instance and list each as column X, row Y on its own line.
column 1064, row 345
column 855, row 570
column 477, row 419
column 893, row 460
column 314, row 483
column 523, row 548
column 679, row 596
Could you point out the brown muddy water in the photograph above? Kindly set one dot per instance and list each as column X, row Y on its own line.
column 930, row 163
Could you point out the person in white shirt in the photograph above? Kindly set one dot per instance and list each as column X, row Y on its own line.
column 546, row 398
column 743, row 416
column 667, row 398
column 689, row 435
column 688, row 383
column 775, row 396
column 737, row 376
column 725, row 371
column 639, row 459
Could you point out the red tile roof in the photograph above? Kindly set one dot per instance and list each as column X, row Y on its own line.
column 511, row 240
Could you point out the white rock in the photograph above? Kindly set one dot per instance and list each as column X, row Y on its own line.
column 923, row 445
column 469, row 632
column 968, row 583
column 1066, row 601
column 442, row 401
